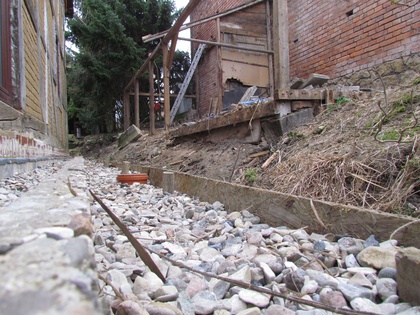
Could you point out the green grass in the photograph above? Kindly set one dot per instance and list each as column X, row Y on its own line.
column 251, row 175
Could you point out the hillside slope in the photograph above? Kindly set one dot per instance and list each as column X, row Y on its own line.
column 361, row 152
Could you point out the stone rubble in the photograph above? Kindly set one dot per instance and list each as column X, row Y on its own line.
column 13, row 188
column 344, row 272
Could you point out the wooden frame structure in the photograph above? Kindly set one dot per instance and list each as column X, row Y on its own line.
column 275, row 51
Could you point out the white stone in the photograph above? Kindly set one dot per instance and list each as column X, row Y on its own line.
column 254, row 298
column 56, row 232
column 365, row 305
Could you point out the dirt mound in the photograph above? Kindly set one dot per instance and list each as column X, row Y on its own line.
column 361, row 152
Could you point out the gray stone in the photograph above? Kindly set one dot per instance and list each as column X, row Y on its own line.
column 131, row 308
column 278, row 309
column 130, row 135
column 388, row 273
column 360, row 280
column 204, row 303
column 351, row 261
column 158, row 308
column 319, row 245
column 250, row 311
column 386, row 287
column 377, row 257
column 295, row 280
column 371, row 241
column 351, row 292
column 350, row 245
column 332, row 298
column 365, row 305
column 186, row 304
column 243, row 275
column 196, row 285
column 220, row 289
column 322, row 278
column 116, row 278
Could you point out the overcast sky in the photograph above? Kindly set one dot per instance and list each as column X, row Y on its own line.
column 181, row 44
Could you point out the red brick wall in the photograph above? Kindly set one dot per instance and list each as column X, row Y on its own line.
column 206, row 73
column 337, row 38
column 334, row 38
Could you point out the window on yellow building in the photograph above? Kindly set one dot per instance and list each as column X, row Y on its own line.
column 5, row 61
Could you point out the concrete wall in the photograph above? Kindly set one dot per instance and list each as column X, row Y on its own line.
column 34, row 124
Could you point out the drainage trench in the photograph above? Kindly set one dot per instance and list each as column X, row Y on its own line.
column 211, row 259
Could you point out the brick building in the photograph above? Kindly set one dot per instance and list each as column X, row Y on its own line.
column 33, row 118
column 339, row 39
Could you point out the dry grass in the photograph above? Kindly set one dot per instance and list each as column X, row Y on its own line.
column 345, row 164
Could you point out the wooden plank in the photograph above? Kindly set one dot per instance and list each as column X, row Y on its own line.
column 149, row 38
column 249, row 46
column 259, row 41
column 247, row 58
column 248, row 75
column 286, row 94
column 277, row 209
column 262, row 153
column 231, row 118
column 248, row 30
column 244, row 18
column 226, row 45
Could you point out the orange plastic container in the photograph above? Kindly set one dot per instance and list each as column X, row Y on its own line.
column 132, row 178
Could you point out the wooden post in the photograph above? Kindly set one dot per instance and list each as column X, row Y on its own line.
column 136, row 104
column 269, row 18
column 166, row 88
column 151, row 99
column 281, row 44
column 126, row 110
column 168, row 182
column 281, row 52
column 219, row 69
column 125, row 167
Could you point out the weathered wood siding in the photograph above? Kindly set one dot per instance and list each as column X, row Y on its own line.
column 247, row 28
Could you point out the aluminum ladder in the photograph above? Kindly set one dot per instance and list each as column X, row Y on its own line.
column 187, row 81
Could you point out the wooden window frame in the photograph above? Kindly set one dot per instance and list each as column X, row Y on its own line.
column 6, row 87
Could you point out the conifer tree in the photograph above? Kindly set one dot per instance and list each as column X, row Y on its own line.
column 109, row 50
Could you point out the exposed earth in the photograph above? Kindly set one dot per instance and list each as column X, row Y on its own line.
column 362, row 150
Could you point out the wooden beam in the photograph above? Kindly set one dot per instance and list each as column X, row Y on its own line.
column 166, row 93
column 270, row 47
column 126, row 110
column 178, row 23
column 136, row 104
column 172, row 51
column 281, row 44
column 264, row 51
column 219, row 68
column 168, row 36
column 149, row 38
column 157, row 95
column 151, row 100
